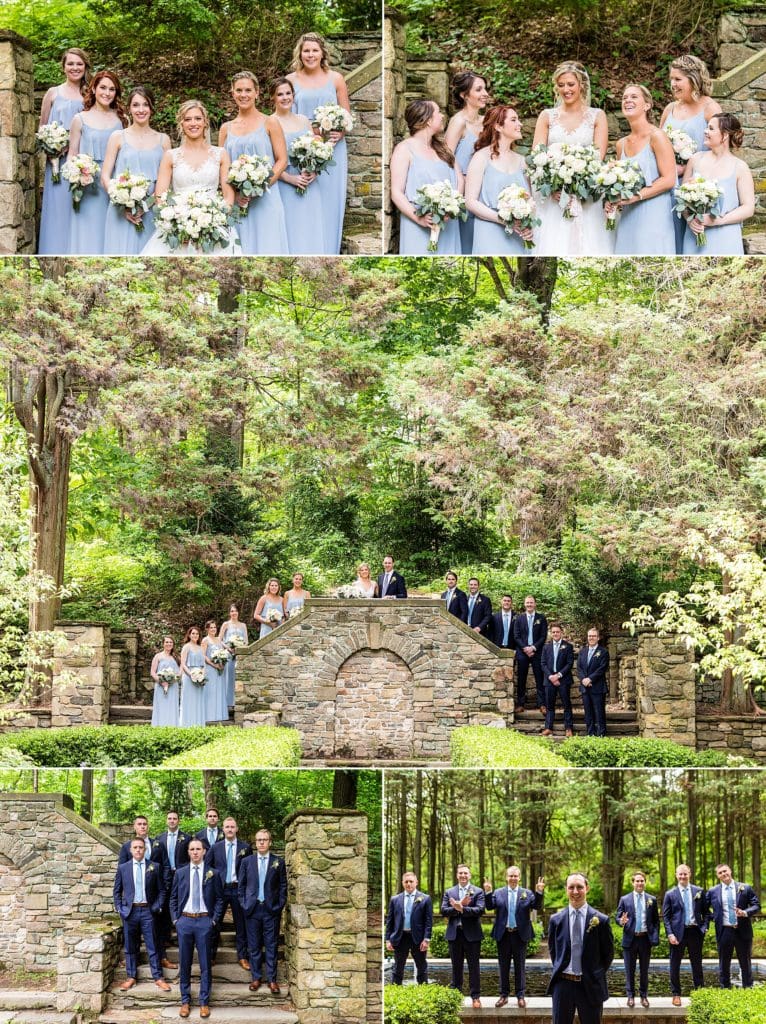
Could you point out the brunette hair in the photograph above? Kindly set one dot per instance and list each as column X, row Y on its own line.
column 417, row 114
column 142, row 90
column 310, row 37
column 732, row 128
column 209, row 623
column 187, row 637
column 696, row 71
column 461, row 83
column 170, row 638
column 86, row 61
column 233, row 604
column 277, row 84
column 493, row 119
column 116, row 105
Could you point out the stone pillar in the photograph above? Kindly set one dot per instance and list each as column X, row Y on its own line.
column 17, row 145
column 326, row 928
column 86, row 968
column 394, row 84
column 124, row 666
column 81, row 674
column 627, row 680
column 665, row 689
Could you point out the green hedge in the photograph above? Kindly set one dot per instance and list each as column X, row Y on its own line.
column 421, row 1004
column 662, row 950
column 728, row 1006
column 633, row 752
column 439, row 948
column 263, row 746
column 481, row 746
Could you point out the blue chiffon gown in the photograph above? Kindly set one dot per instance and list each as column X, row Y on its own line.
column 165, row 705
column 57, row 201
column 269, row 606
column 231, row 666
column 87, row 225
column 332, row 182
column 216, row 708
column 695, row 129
column 120, row 236
column 262, row 232
column 192, row 696
column 413, row 239
column 492, row 239
column 725, row 240
column 303, row 214
column 463, row 153
column 645, row 228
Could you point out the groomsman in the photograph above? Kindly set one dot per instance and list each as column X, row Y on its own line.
column 479, row 608
column 530, row 631
column 226, row 857
column 639, row 917
column 141, row 830
column 592, row 666
column 685, row 915
column 138, row 895
column 557, row 662
column 501, row 631
column 463, row 905
column 581, row 947
column 262, row 893
column 512, row 930
column 408, row 929
column 732, row 904
column 175, row 845
column 455, row 598
column 210, row 835
column 390, row 583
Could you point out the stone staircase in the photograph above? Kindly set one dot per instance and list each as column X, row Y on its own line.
column 22, row 1006
column 136, row 714
column 619, row 722
column 538, row 1011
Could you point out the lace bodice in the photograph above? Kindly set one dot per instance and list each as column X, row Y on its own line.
column 188, row 179
column 582, row 134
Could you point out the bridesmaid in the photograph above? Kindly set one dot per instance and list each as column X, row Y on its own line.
column 316, row 85
column 192, row 696
column 165, row 701
column 724, row 230
column 232, row 627
column 645, row 225
column 494, row 166
column 420, row 160
column 61, row 103
column 216, row 709
column 102, row 115
column 139, row 149
column 470, row 94
column 295, row 597
column 691, row 109
column 262, row 232
column 303, row 214
column 269, row 601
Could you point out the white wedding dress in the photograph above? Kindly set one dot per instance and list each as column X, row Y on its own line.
column 366, row 589
column 187, row 179
column 586, row 234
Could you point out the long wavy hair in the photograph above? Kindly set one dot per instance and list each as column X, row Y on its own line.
column 116, row 105
column 461, row 83
column 184, row 109
column 493, row 120
column 572, row 67
column 417, row 114
column 86, row 61
column 696, row 71
column 310, row 37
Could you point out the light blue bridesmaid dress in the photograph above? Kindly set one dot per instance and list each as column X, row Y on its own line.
column 413, row 239
column 192, row 696
column 332, row 182
column 645, row 228
column 294, row 605
column 492, row 239
column 57, row 201
column 165, row 706
column 86, row 227
column 216, row 708
column 269, row 605
column 725, row 240
column 695, row 129
column 231, row 666
column 120, row 236
column 303, row 214
column 463, row 153
column 262, row 232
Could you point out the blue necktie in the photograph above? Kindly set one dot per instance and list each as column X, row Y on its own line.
column 262, row 866
column 530, row 621
column 730, row 901
column 140, row 882
column 471, row 603
column 511, row 908
column 590, row 654
column 172, row 849
column 506, row 628
column 687, row 898
column 407, row 911
column 640, row 913
column 196, row 892
column 230, row 863
column 148, row 850
column 577, row 944
column 555, row 656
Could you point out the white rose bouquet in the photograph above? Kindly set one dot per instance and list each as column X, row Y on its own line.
column 615, row 180
column 697, row 196
column 275, row 616
column 683, row 145
column 249, row 177
column 132, row 193
column 311, row 154
column 82, row 173
column 167, row 676
column 566, row 169
column 53, row 139
column 441, row 201
column 332, row 117
column 197, row 676
column 516, row 207
column 199, row 219
column 220, row 657
column 349, row 591
column 234, row 641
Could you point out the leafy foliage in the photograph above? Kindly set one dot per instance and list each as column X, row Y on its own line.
column 633, row 752
column 478, row 746
column 439, row 947
column 728, row 1006
column 107, row 745
column 258, row 747
column 421, row 1004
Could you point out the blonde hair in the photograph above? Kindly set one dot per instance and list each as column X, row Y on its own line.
column 249, row 76
column 310, row 37
column 696, row 71
column 184, row 109
column 645, row 93
column 269, row 582
column 363, row 565
column 572, row 67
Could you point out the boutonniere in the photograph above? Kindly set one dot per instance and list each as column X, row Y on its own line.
column 522, row 897
column 537, row 622
column 418, row 899
column 597, row 654
column 241, row 853
column 275, row 864
column 155, row 844
column 209, row 875
column 150, row 868
column 740, row 888
column 593, row 923
column 697, row 895
column 649, row 901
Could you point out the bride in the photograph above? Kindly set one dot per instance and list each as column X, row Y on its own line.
column 572, row 120
column 193, row 167
column 364, row 585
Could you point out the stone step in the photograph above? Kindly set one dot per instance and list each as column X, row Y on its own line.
column 618, row 723
column 755, row 244
column 362, row 243
column 37, row 1017
column 538, row 1011
column 219, row 1015
column 26, row 999
column 223, row 993
column 231, row 972
column 137, row 714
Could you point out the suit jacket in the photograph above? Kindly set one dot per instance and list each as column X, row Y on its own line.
column 274, row 891
column 458, row 605
column 745, row 899
column 482, row 613
column 564, row 662
column 421, row 918
column 156, row 853
column 202, row 836
column 471, row 929
column 212, row 892
column 521, row 631
column 673, row 911
column 596, row 671
column 496, row 630
column 597, row 952
column 182, row 846
column 396, row 587
column 526, row 902
column 124, row 891
column 627, row 905
column 216, row 856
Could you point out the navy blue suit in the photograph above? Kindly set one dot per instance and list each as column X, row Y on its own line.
column 406, row 942
column 202, row 836
column 512, row 941
column 638, row 946
column 458, row 605
column 480, row 615
column 588, row 995
column 564, row 664
column 689, row 937
column 496, row 631
column 396, row 586
column 262, row 916
column 196, row 931
column 181, row 857
column 594, row 696
column 729, row 939
column 139, row 919
column 216, row 858
column 523, row 661
column 156, row 853
column 464, row 935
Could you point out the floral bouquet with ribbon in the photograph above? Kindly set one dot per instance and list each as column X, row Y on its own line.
column 615, row 180
column 683, row 145
column 311, row 154
column 516, row 207
column 167, row 676
column 441, row 201
column 199, row 219
column 698, row 196
column 81, row 172
column 568, row 170
column 197, row 676
column 53, row 139
column 131, row 192
column 220, row 657
column 249, row 177
column 332, row 117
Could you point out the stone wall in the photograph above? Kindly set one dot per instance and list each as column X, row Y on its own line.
column 394, row 83
column 326, row 853
column 86, row 967
column 733, row 734
column 81, row 674
column 374, row 966
column 17, row 144
column 665, row 690
column 626, row 680
column 622, row 669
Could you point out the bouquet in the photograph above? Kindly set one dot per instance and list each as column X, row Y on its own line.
column 515, row 205
column 249, row 176
column 332, row 117
column 683, row 145
column 310, row 153
column 618, row 179
column 275, row 616
column 235, row 641
column 131, row 192
column 199, row 219
column 167, row 676
column 441, row 200
column 567, row 169
column 81, row 172
column 350, row 590
column 197, row 676
column 697, row 196
column 53, row 140
column 220, row 657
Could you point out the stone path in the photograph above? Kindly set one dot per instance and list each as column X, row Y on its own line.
column 22, row 1006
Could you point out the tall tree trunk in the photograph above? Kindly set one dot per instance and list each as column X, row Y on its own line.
column 214, row 785
column 86, row 800
column 417, row 843
column 344, row 788
column 433, row 834
column 538, row 275
column 227, row 437
column 611, row 797
column 401, row 857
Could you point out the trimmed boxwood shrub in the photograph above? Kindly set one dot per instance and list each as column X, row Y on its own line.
column 662, row 950
column 421, row 1004
column 481, row 746
column 634, row 752
column 439, row 947
column 263, row 746
column 728, row 1006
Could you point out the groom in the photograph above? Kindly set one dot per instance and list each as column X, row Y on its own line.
column 390, row 583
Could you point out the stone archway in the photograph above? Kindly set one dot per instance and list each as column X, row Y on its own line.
column 373, row 706
column 13, row 925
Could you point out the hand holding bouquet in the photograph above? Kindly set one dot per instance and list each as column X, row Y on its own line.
column 53, row 139
column 616, row 180
column 683, row 145
column 332, row 118
column 274, row 617
column 440, row 201
column 310, row 155
column 199, row 219
column 566, row 170
column 197, row 676
column 516, row 209
column 220, row 657
column 249, row 177
column 131, row 192
column 167, row 676
column 81, row 172
column 234, row 641
column 697, row 196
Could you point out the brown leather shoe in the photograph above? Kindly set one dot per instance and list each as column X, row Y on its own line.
column 676, row 1000
column 543, row 710
column 244, row 964
column 274, row 988
column 476, row 1004
column 631, row 1001
column 522, row 1003
column 501, row 1002
column 162, row 984
column 568, row 732
column 127, row 984
column 645, row 1002
column 255, row 985
column 185, row 1010
column 168, row 964
column 204, row 1011
column 547, row 732
column 519, row 709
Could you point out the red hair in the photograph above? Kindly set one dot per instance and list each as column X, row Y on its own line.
column 493, row 119
column 116, row 104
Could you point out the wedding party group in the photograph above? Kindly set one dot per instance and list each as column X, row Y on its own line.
column 675, row 186
column 275, row 185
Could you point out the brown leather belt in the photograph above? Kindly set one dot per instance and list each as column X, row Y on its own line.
column 571, row 977
column 140, row 904
column 195, row 915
